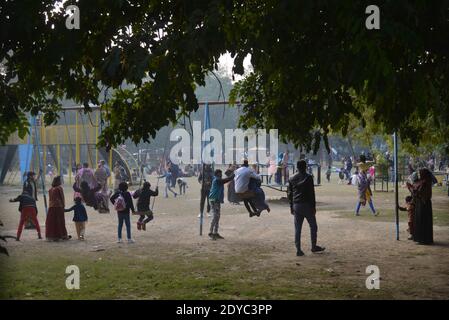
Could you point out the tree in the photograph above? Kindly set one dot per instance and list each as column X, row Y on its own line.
column 311, row 60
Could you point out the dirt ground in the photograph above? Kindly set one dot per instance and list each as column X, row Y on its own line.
column 407, row 270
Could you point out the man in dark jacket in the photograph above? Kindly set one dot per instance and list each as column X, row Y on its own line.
column 301, row 195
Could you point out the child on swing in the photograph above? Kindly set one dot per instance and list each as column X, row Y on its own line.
column 143, row 197
column 79, row 217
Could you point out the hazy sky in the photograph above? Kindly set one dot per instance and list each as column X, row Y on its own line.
column 226, row 63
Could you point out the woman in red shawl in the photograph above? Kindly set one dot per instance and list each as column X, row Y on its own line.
column 55, row 224
column 422, row 197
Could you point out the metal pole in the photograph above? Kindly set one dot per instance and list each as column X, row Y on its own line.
column 77, row 142
column 396, row 179
column 202, row 190
column 40, row 166
column 97, row 129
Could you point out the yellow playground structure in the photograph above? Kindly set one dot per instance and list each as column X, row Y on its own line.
column 57, row 149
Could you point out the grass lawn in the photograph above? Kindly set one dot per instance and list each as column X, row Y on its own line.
column 190, row 277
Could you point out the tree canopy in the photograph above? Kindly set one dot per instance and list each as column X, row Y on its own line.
column 313, row 60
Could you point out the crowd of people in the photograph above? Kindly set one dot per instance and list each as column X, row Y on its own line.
column 243, row 185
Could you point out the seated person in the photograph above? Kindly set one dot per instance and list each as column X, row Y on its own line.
column 92, row 197
column 250, row 192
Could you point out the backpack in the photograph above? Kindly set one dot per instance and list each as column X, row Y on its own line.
column 120, row 204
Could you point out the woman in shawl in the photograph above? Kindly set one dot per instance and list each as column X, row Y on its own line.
column 363, row 185
column 92, row 197
column 55, row 223
column 422, row 198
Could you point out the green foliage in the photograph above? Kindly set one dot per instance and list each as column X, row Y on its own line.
column 313, row 62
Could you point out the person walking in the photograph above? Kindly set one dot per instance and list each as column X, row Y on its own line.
column 301, row 196
column 363, row 185
column 168, row 182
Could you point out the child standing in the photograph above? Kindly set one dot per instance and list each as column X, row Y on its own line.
column 143, row 197
column 79, row 217
column 216, row 197
column 28, row 210
column 410, row 208
column 123, row 203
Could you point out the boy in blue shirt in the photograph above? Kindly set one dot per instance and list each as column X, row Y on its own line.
column 216, row 197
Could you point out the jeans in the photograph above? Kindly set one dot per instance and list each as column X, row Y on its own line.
column 167, row 188
column 304, row 210
column 124, row 217
column 204, row 197
column 216, row 217
column 182, row 189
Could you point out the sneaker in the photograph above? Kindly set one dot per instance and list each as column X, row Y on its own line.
column 144, row 226
column 376, row 213
column 218, row 236
column 139, row 226
column 299, row 253
column 119, row 241
column 211, row 235
column 130, row 241
column 318, row 249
